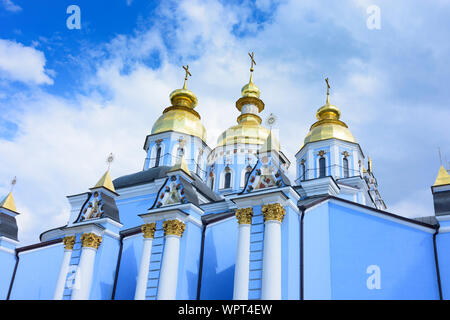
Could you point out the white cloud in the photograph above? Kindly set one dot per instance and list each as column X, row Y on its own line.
column 21, row 63
column 10, row 6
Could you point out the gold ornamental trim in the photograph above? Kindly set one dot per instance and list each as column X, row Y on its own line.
column 244, row 216
column 273, row 211
column 91, row 240
column 173, row 227
column 69, row 241
column 148, row 230
column 250, row 100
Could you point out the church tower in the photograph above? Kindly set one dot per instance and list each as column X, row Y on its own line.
column 231, row 162
column 178, row 131
column 331, row 161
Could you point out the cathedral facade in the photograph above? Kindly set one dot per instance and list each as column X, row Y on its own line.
column 227, row 222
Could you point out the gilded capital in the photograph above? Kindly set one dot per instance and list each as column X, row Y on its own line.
column 173, row 227
column 273, row 211
column 149, row 230
column 91, row 240
column 69, row 241
column 244, row 216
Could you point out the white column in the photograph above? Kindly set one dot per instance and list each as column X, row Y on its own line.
column 60, row 284
column 83, row 279
column 168, row 279
column 271, row 273
column 242, row 267
column 141, row 285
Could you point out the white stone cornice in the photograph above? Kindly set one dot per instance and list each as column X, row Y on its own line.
column 13, row 242
column 173, row 212
column 388, row 216
column 7, row 250
column 41, row 248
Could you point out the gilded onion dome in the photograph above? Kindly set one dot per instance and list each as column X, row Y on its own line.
column 249, row 129
column 181, row 116
column 328, row 125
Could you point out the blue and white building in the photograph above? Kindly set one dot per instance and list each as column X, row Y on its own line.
column 226, row 222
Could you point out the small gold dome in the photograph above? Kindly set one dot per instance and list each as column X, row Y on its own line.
column 246, row 132
column 181, row 116
column 329, row 126
column 250, row 90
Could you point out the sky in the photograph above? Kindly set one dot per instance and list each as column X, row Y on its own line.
column 69, row 97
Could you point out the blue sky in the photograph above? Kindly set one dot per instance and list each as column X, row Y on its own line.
column 70, row 97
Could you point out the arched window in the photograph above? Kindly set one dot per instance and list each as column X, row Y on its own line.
column 211, row 182
column 345, row 163
column 158, row 156
column 322, row 168
column 303, row 171
column 227, row 183
column 199, row 163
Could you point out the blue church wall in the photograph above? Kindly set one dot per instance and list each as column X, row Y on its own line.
column 129, row 267
column 402, row 254
column 316, row 255
column 104, row 268
column 443, row 245
column 290, row 255
column 130, row 209
column 189, row 262
column 7, row 263
column 219, row 259
column 35, row 280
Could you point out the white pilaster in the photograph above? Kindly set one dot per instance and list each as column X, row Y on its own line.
column 271, row 273
column 242, row 267
column 168, row 280
column 83, row 282
column 141, row 285
column 60, row 284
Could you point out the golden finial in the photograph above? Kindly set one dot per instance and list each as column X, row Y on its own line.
column 109, row 160
column 186, row 69
column 328, row 90
column 13, row 183
column 440, row 156
column 252, row 62
column 8, row 202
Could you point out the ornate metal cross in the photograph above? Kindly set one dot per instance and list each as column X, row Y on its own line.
column 253, row 62
column 328, row 86
column 186, row 69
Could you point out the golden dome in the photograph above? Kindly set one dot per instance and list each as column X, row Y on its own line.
column 181, row 116
column 328, row 125
column 250, row 89
column 248, row 131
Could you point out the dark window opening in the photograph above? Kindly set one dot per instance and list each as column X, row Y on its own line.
column 158, row 156
column 322, row 168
